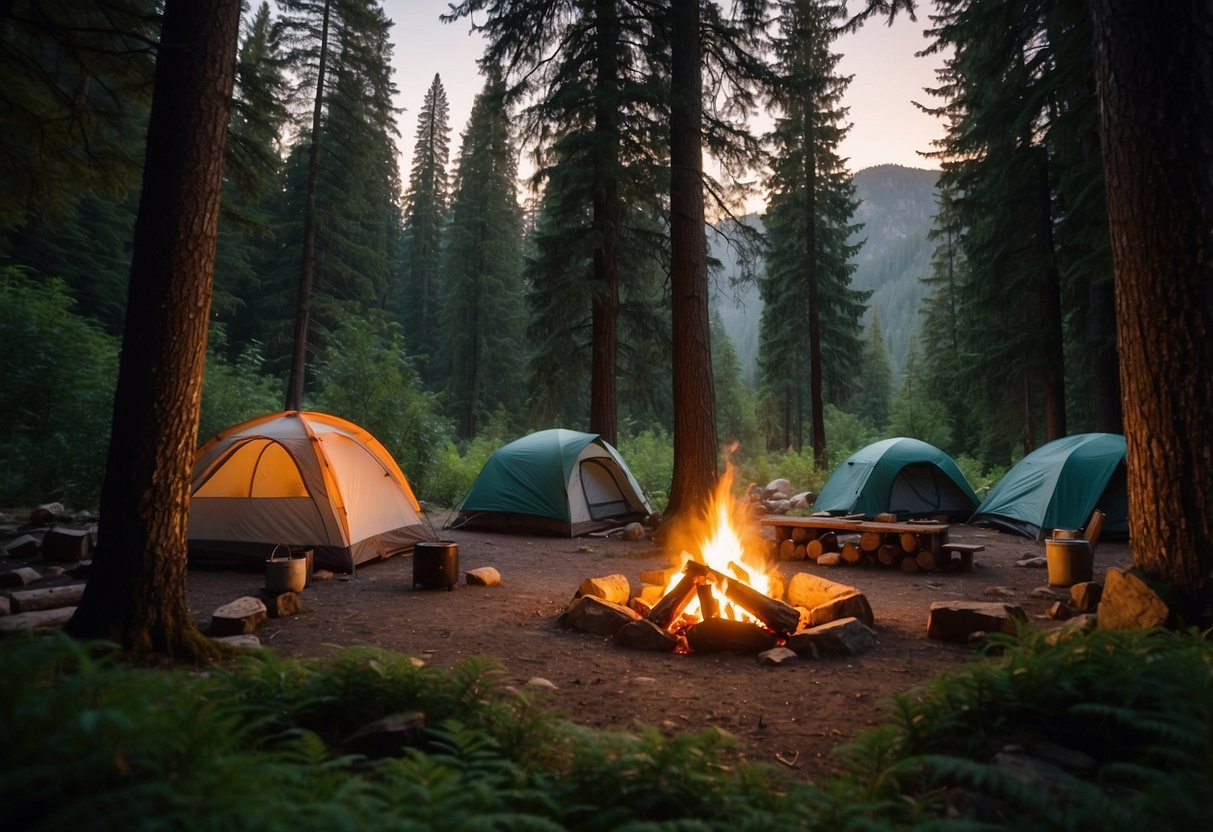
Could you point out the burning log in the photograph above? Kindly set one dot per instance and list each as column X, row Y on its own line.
column 719, row 635
column 708, row 608
column 666, row 611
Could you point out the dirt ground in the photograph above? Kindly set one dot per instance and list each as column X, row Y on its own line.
column 792, row 715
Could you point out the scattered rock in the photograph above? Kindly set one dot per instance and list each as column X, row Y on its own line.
column 633, row 531
column 6, row 606
column 1086, row 595
column 1046, row 593
column 777, row 656
column 959, row 621
column 1128, row 602
column 802, row 500
column 1032, row 562
column 829, row 559
column 247, row 640
column 482, row 576
column 594, row 615
column 540, row 683
column 777, row 489
column 25, row 546
column 386, row 737
column 323, row 575
column 1077, row 626
column 845, row 637
column 998, row 592
column 39, row 620
column 645, row 635
column 244, row 615
column 1060, row 611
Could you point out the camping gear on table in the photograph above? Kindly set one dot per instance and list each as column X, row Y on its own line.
column 1059, row 485
column 554, row 482
column 436, row 564
column 303, row 480
column 903, row 476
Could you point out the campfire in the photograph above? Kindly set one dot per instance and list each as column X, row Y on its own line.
column 725, row 594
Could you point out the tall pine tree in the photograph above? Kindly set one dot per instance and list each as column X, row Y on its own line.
column 810, row 343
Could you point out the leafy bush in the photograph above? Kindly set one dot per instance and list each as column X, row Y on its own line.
column 980, row 477
column 650, row 457
column 454, row 472
column 58, row 375
column 234, row 393
column 366, row 376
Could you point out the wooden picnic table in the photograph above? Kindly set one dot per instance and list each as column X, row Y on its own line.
column 912, row 545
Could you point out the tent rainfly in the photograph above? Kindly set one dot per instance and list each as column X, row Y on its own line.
column 1059, row 485
column 556, row 482
column 907, row 477
column 302, row 480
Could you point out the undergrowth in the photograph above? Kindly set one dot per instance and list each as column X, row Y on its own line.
column 1092, row 733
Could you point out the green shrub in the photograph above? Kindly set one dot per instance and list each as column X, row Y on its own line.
column 58, row 375
column 650, row 457
column 234, row 393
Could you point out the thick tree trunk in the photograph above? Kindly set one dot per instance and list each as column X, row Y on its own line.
column 1052, row 343
column 136, row 593
column 604, row 410
column 694, row 394
column 1155, row 82
column 816, row 402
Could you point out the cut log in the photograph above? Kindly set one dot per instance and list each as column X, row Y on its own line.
column 800, row 535
column 739, row 572
column 671, row 605
column 660, row 577
column 885, row 517
column 889, row 554
column 32, row 600
column 708, row 608
column 721, row 635
column 829, row 542
column 870, row 541
column 926, row 561
column 614, row 588
column 813, row 550
column 800, row 552
column 787, row 550
column 909, row 543
column 851, row 553
column 910, row 565
column 66, row 545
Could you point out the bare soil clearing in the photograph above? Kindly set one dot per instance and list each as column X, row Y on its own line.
column 794, row 714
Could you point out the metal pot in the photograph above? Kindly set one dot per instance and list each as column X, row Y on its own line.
column 436, row 564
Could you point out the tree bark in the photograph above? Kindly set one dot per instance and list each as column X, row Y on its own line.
column 694, row 395
column 816, row 399
column 307, row 266
column 1155, row 83
column 136, row 593
column 604, row 416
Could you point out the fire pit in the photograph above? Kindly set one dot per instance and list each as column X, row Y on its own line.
column 727, row 596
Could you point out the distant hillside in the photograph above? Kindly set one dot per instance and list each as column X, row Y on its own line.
column 897, row 206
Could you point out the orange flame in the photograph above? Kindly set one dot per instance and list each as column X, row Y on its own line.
column 728, row 542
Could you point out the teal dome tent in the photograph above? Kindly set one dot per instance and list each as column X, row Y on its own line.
column 907, row 477
column 554, row 481
column 1059, row 486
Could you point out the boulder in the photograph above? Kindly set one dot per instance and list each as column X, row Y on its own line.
column 645, row 635
column 244, row 615
column 845, row 637
column 25, row 546
column 594, row 615
column 1128, row 602
column 959, row 621
column 777, row 489
column 482, row 576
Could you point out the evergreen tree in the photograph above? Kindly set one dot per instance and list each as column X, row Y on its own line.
column 874, row 383
column 425, row 208
column 483, row 315
column 811, row 315
column 253, row 171
column 912, row 412
column 341, row 198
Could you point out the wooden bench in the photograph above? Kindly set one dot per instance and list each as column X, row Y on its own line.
column 965, row 552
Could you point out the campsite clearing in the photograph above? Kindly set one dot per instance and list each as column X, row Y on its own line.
column 797, row 711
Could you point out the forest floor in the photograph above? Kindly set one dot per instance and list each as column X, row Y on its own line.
column 793, row 714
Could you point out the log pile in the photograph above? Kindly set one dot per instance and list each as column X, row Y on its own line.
column 912, row 547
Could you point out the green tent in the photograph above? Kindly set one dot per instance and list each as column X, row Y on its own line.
column 554, row 481
column 1059, row 486
column 907, row 477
